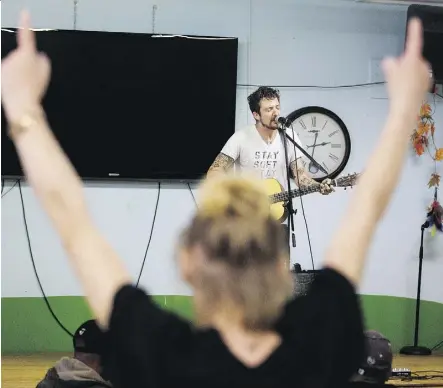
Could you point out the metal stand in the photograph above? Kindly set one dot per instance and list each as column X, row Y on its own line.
column 416, row 350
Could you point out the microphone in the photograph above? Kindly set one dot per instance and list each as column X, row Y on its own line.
column 283, row 121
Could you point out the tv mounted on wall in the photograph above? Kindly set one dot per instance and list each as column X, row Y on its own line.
column 432, row 20
column 132, row 106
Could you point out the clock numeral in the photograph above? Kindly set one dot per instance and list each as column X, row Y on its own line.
column 324, row 125
column 335, row 145
column 302, row 124
column 333, row 133
column 325, row 166
column 333, row 157
column 314, row 121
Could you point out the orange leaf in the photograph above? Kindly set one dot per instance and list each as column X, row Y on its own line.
column 439, row 154
column 423, row 128
column 425, row 110
column 419, row 146
column 434, row 181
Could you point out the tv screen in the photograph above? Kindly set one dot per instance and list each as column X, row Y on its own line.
column 432, row 19
column 131, row 106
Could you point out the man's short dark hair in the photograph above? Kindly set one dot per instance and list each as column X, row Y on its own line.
column 263, row 92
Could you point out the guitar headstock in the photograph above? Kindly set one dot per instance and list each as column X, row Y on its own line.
column 347, row 180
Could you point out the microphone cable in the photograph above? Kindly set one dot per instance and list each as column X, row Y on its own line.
column 301, row 201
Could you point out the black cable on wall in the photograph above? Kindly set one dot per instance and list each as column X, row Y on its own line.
column 48, row 305
column 150, row 235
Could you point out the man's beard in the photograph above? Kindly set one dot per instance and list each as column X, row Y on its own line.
column 270, row 127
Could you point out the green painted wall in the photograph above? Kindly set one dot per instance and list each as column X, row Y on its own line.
column 27, row 325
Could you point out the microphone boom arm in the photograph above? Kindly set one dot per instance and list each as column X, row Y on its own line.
column 316, row 164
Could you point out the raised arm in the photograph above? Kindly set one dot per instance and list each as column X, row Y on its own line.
column 25, row 76
column 222, row 164
column 407, row 82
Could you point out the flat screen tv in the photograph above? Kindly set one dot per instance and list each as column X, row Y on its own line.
column 132, row 106
column 432, row 20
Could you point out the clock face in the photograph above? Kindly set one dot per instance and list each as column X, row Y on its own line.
column 325, row 138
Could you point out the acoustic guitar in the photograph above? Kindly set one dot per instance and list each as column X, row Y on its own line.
column 280, row 198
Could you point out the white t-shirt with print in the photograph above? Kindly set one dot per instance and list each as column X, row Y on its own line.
column 254, row 155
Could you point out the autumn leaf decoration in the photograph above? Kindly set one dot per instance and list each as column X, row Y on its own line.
column 423, row 141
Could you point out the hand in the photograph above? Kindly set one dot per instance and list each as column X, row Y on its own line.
column 326, row 187
column 408, row 77
column 25, row 73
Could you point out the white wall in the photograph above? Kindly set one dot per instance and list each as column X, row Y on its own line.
column 281, row 43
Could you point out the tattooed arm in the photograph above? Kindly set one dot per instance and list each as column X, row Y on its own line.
column 222, row 163
column 304, row 180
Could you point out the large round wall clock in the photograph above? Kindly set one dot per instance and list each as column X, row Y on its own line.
column 325, row 137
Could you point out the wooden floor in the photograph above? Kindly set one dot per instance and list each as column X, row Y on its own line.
column 26, row 371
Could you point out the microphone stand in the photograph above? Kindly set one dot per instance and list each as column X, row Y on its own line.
column 282, row 125
column 416, row 350
column 290, row 205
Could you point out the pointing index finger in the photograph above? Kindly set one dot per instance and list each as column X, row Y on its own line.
column 25, row 36
column 414, row 40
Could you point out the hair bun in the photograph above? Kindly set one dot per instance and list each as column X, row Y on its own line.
column 233, row 196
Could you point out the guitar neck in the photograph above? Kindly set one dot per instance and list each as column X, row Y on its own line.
column 285, row 195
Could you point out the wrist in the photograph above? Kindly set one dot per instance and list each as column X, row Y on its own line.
column 405, row 111
column 26, row 120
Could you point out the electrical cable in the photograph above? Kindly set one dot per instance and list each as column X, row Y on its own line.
column 150, row 235
column 414, row 377
column 193, row 197
column 301, row 203
column 315, row 86
column 437, row 346
column 15, row 184
column 34, row 266
column 45, row 298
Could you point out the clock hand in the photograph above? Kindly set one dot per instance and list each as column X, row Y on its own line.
column 313, row 169
column 313, row 146
column 318, row 145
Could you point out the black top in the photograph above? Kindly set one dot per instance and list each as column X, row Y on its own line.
column 322, row 344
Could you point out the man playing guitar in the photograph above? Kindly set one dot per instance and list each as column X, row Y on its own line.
column 259, row 148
